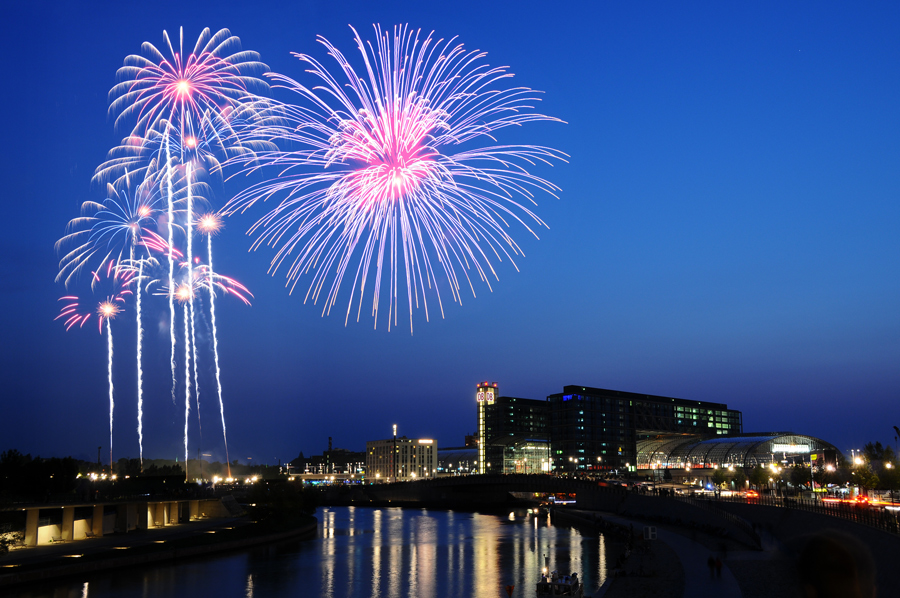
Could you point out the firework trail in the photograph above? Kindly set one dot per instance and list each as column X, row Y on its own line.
column 392, row 171
column 121, row 221
column 192, row 341
column 140, row 371
column 117, row 278
column 215, row 140
column 178, row 93
column 185, row 295
column 112, row 403
column 170, row 222
column 187, row 390
column 210, row 224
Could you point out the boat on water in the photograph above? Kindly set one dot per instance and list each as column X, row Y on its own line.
column 560, row 585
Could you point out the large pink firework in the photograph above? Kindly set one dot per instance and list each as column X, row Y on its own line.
column 398, row 171
column 181, row 88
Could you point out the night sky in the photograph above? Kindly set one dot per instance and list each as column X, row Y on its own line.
column 727, row 230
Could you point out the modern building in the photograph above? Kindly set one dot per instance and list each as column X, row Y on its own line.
column 401, row 459
column 595, row 429
column 512, row 433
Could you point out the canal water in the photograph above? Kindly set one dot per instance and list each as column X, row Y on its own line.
column 369, row 553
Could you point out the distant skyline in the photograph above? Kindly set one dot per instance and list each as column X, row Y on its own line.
column 727, row 231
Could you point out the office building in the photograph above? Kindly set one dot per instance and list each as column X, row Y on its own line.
column 512, row 432
column 401, row 459
column 595, row 429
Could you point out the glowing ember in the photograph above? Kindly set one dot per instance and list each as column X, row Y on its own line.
column 209, row 224
column 184, row 293
column 108, row 309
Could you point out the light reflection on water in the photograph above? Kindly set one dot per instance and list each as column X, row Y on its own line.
column 370, row 553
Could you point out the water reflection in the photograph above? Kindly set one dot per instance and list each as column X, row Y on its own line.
column 370, row 553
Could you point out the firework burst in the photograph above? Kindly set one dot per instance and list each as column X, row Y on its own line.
column 105, row 231
column 186, row 103
column 159, row 86
column 399, row 170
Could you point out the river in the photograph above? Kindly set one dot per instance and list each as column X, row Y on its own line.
column 363, row 552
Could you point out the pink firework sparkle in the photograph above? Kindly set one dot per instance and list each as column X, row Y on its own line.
column 397, row 171
column 204, row 280
column 111, row 277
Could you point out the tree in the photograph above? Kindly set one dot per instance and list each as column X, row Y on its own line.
column 719, row 477
column 889, row 479
column 873, row 452
column 800, row 476
column 822, row 476
column 739, row 478
column 9, row 539
column 865, row 478
column 128, row 467
column 758, row 476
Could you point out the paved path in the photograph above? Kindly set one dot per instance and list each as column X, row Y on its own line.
column 693, row 556
column 56, row 553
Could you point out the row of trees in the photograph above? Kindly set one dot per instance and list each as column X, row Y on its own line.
column 24, row 478
column 875, row 469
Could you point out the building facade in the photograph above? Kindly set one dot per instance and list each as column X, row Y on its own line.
column 512, row 433
column 745, row 450
column 401, row 459
column 595, row 429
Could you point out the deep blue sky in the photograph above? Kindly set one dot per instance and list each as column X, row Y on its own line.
column 727, row 230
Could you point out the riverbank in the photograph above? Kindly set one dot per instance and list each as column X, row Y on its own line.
column 171, row 544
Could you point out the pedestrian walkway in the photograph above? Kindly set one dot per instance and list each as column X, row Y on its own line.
column 697, row 580
column 57, row 553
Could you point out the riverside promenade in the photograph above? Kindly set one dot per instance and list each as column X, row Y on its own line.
column 174, row 542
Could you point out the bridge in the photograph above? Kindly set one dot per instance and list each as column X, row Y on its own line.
column 495, row 491
column 474, row 491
